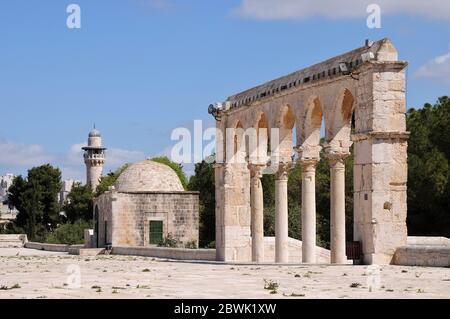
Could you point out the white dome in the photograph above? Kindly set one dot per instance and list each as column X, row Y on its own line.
column 148, row 176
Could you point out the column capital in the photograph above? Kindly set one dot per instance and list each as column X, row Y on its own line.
column 336, row 156
column 308, row 164
column 283, row 170
column 308, row 151
column 256, row 170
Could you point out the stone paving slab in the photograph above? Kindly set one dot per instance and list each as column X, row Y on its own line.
column 109, row 276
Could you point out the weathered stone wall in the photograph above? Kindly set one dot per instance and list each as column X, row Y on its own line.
column 170, row 253
column 129, row 214
column 104, row 206
column 63, row 248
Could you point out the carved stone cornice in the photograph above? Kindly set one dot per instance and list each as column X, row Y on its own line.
column 380, row 135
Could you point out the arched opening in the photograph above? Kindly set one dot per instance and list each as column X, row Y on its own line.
column 343, row 121
column 286, row 125
column 312, row 128
column 262, row 135
column 239, row 144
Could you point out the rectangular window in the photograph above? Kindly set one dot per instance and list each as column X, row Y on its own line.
column 156, row 232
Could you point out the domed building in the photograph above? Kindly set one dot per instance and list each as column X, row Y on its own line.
column 147, row 205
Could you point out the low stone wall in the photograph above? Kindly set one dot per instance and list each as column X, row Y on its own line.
column 424, row 251
column 430, row 256
column 51, row 247
column 295, row 251
column 428, row 241
column 169, row 253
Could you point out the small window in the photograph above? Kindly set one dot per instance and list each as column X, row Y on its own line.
column 156, row 232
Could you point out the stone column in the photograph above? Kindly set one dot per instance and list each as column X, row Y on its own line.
column 257, row 212
column 281, row 214
column 309, row 210
column 337, row 207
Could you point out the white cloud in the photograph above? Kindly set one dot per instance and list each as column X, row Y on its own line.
column 18, row 158
column 27, row 155
column 437, row 68
column 301, row 9
column 116, row 157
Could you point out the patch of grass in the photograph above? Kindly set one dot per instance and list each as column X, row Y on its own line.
column 389, row 290
column 446, row 279
column 146, row 270
column 117, row 288
column 99, row 290
column 142, row 287
column 96, row 287
column 115, row 291
column 272, row 286
column 420, row 291
column 344, row 274
column 297, row 276
column 294, row 295
column 404, row 271
column 355, row 285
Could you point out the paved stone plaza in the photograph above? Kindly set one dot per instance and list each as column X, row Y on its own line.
column 39, row 274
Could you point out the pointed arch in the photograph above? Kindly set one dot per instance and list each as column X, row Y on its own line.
column 286, row 122
column 262, row 134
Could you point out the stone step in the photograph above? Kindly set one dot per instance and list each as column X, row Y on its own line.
column 12, row 240
column 11, row 244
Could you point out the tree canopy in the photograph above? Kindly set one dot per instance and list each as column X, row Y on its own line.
column 35, row 197
column 79, row 203
column 428, row 169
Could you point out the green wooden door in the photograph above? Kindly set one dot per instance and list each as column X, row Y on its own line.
column 156, row 232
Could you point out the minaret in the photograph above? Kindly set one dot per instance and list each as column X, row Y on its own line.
column 94, row 158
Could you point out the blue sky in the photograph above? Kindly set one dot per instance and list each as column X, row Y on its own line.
column 140, row 68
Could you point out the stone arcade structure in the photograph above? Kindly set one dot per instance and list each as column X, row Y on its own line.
column 366, row 84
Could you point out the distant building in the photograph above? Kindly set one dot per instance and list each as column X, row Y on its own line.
column 66, row 188
column 5, row 183
column 7, row 211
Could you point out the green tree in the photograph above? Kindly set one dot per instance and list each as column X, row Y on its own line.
column 428, row 169
column 69, row 233
column 203, row 182
column 36, row 200
column 109, row 180
column 178, row 168
column 79, row 203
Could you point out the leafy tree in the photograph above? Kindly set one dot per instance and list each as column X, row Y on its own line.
column 203, row 182
column 36, row 200
column 69, row 233
column 178, row 168
column 428, row 169
column 79, row 203
column 109, row 180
